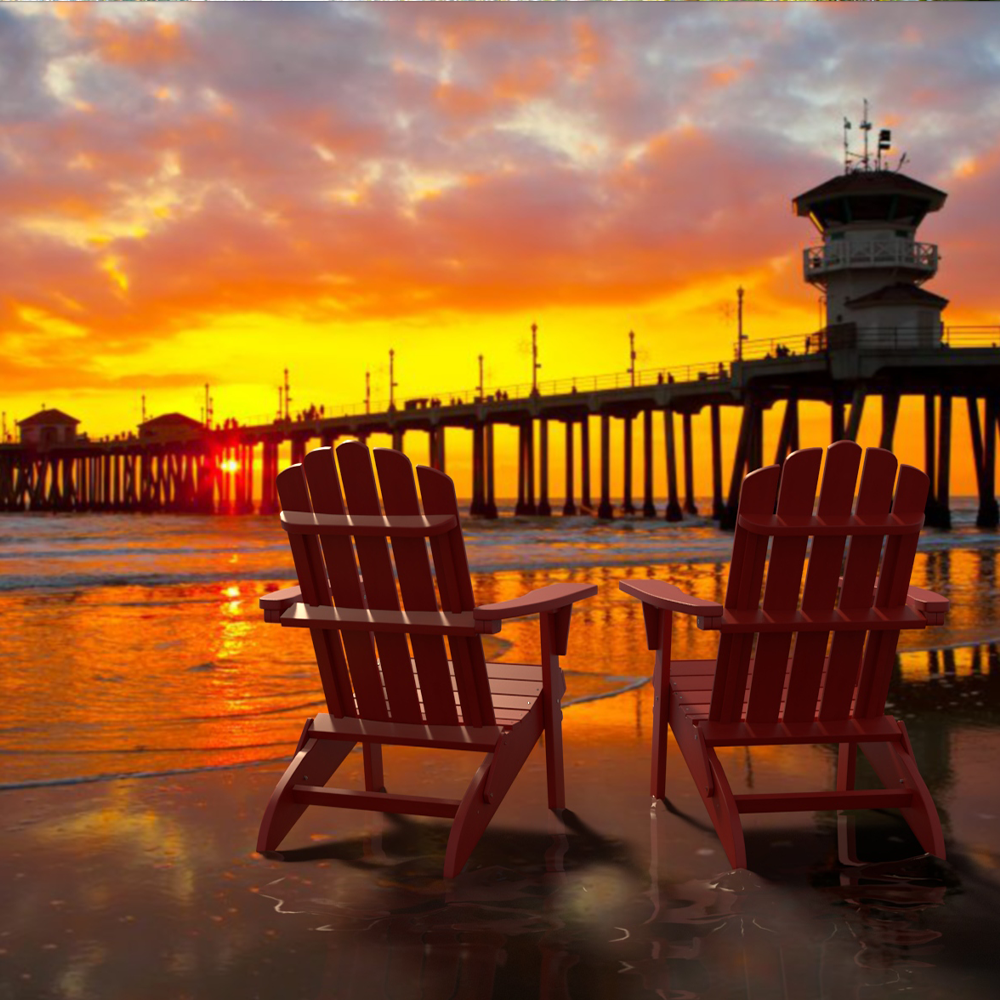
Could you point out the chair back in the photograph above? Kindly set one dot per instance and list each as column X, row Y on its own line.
column 369, row 593
column 845, row 615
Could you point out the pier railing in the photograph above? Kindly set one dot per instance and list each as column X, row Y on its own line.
column 850, row 337
column 700, row 372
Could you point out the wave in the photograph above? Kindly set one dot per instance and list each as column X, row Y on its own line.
column 17, row 786
column 520, row 551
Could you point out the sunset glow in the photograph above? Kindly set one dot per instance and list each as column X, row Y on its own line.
column 210, row 193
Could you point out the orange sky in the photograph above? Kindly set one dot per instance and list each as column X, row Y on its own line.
column 196, row 193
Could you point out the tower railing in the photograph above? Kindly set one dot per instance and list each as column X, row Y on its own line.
column 835, row 256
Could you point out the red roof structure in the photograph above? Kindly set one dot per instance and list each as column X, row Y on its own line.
column 898, row 294
column 172, row 420
column 48, row 418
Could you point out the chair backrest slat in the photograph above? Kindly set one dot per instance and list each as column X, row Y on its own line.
column 875, row 499
column 826, row 557
column 743, row 593
column 308, row 558
column 796, row 496
column 416, row 586
column 324, row 487
column 361, row 496
column 897, row 564
column 455, row 586
column 837, row 595
column 357, row 535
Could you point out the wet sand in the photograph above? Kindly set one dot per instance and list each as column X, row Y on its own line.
column 119, row 886
column 150, row 887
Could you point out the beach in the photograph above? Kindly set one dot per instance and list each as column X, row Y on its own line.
column 149, row 711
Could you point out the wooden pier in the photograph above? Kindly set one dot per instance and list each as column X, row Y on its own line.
column 214, row 472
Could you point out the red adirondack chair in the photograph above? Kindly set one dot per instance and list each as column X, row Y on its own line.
column 376, row 691
column 750, row 696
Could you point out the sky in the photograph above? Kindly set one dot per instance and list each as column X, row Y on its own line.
column 196, row 193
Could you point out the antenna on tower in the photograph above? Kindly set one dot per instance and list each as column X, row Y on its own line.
column 866, row 127
column 847, row 151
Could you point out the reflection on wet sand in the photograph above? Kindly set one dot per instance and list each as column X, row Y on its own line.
column 593, row 923
column 148, row 887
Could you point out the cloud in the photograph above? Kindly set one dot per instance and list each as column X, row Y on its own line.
column 350, row 162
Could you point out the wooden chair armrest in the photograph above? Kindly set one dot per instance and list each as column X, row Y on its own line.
column 551, row 598
column 277, row 601
column 667, row 597
column 657, row 596
column 932, row 606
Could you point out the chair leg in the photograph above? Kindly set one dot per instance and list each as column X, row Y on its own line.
column 553, row 689
column 725, row 815
column 847, row 759
column 895, row 766
column 661, row 713
column 487, row 789
column 374, row 779
column 312, row 765
column 847, row 841
column 552, row 725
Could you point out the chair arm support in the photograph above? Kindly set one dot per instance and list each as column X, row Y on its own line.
column 278, row 600
column 551, row 598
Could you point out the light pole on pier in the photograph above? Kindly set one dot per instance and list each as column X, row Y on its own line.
column 740, row 337
column 143, row 407
column 208, row 410
column 280, row 390
column 392, row 380
column 631, row 352
column 288, row 397
column 535, row 365
column 481, row 396
column 368, row 392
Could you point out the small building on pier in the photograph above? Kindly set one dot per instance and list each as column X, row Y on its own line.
column 48, row 428
column 170, row 427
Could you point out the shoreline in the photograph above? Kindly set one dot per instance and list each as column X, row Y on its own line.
column 153, row 887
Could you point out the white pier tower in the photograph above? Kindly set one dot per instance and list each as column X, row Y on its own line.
column 870, row 264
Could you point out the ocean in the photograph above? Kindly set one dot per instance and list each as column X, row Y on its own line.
column 133, row 644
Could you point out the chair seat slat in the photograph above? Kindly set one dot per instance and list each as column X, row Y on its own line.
column 367, row 525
